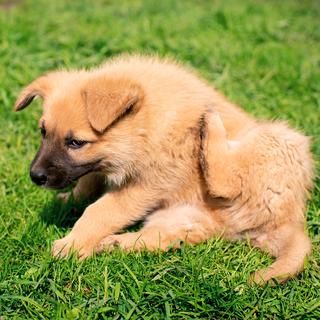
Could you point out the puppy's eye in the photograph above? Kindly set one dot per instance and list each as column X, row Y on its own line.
column 76, row 144
column 43, row 131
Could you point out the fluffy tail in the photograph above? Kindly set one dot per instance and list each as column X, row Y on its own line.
column 290, row 246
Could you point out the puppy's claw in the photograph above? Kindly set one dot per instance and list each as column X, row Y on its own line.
column 215, row 124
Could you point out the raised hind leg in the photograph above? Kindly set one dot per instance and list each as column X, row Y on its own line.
column 165, row 229
column 219, row 160
column 290, row 246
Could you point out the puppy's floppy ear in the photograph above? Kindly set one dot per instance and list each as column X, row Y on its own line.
column 106, row 100
column 37, row 88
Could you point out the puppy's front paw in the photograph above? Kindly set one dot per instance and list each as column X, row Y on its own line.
column 106, row 244
column 62, row 248
column 126, row 241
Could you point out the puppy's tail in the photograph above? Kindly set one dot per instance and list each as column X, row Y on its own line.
column 290, row 246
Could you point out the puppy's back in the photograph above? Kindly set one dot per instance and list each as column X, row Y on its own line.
column 176, row 91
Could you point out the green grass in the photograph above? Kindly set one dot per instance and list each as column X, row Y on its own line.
column 264, row 55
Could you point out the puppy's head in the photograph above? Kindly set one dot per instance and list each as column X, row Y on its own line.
column 81, row 114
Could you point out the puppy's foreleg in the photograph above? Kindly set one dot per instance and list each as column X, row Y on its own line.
column 90, row 185
column 109, row 214
column 219, row 162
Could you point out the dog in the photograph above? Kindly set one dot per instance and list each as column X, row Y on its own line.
column 136, row 123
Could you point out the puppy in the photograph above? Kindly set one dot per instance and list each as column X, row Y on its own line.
column 264, row 177
column 133, row 123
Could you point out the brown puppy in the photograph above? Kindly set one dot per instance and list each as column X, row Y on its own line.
column 135, row 122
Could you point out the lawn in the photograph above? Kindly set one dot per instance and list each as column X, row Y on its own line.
column 264, row 55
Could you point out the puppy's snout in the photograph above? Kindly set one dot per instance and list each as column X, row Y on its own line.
column 38, row 177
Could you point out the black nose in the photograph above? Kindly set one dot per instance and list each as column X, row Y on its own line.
column 38, row 177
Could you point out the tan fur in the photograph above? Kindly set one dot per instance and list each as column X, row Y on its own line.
column 264, row 178
column 150, row 155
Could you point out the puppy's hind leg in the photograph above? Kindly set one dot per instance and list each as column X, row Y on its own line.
column 290, row 245
column 165, row 229
column 219, row 163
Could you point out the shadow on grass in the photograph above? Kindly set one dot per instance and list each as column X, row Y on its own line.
column 63, row 214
